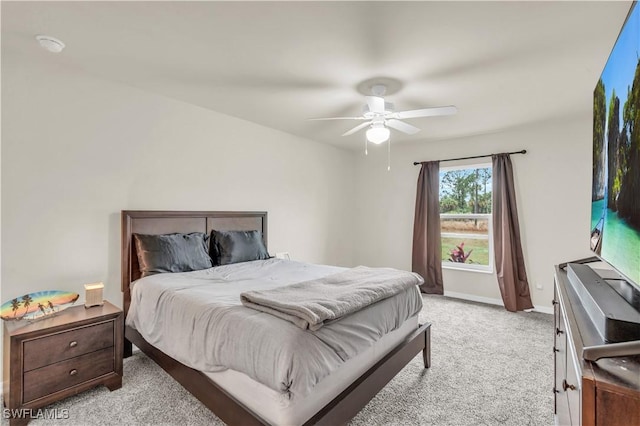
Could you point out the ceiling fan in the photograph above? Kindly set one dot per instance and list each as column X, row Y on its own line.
column 379, row 116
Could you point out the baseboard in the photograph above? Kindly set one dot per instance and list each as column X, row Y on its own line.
column 492, row 301
column 543, row 309
column 474, row 298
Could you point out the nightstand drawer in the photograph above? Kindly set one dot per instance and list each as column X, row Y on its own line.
column 57, row 347
column 55, row 377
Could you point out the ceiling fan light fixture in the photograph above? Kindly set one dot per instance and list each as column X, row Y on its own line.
column 379, row 116
column 378, row 134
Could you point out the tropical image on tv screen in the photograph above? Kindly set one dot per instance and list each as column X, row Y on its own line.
column 615, row 207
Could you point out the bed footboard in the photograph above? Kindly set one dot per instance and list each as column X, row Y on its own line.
column 337, row 412
column 353, row 399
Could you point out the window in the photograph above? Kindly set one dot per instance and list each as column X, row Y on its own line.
column 465, row 217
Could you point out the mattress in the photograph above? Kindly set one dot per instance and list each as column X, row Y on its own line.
column 277, row 409
column 197, row 319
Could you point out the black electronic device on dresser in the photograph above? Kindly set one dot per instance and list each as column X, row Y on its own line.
column 612, row 304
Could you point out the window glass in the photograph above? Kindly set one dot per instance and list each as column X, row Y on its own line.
column 465, row 217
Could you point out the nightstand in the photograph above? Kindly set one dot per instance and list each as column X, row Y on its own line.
column 60, row 356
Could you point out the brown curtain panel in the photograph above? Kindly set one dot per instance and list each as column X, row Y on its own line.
column 427, row 254
column 512, row 276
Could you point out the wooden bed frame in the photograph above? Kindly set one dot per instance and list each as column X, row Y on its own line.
column 339, row 411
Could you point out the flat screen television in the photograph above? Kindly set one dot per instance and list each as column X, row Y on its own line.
column 615, row 196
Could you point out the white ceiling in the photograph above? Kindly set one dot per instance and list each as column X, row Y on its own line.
column 503, row 64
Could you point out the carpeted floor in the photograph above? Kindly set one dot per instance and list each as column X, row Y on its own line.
column 489, row 367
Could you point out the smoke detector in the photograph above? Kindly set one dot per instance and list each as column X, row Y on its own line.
column 51, row 44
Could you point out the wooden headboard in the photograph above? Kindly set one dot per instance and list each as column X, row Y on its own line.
column 166, row 222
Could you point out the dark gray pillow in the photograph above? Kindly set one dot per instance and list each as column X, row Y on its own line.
column 237, row 246
column 172, row 253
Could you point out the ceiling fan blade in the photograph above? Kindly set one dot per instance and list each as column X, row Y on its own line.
column 336, row 118
column 403, row 127
column 426, row 112
column 355, row 129
column 376, row 104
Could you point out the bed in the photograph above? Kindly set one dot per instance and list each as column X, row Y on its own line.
column 233, row 396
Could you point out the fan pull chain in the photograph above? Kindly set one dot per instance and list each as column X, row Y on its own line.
column 389, row 154
column 366, row 150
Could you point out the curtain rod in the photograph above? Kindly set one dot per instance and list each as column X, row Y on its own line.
column 524, row 151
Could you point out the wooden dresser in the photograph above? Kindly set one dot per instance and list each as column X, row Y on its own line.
column 56, row 357
column 603, row 393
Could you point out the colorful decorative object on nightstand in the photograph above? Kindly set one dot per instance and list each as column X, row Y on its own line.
column 37, row 305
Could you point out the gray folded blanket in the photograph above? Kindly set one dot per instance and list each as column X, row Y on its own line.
column 312, row 303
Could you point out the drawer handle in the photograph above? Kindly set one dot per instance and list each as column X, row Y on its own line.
column 73, row 344
column 558, row 331
column 566, row 386
column 73, row 372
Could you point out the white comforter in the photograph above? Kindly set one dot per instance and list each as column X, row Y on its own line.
column 197, row 318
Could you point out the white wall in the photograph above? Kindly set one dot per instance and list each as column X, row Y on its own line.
column 553, row 183
column 76, row 150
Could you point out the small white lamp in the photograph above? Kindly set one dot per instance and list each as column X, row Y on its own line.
column 93, row 295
